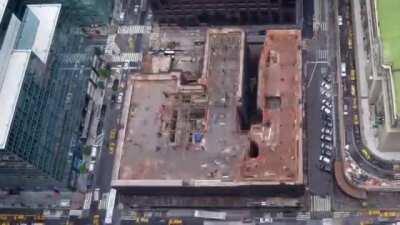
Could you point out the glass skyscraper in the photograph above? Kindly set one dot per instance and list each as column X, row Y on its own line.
column 44, row 91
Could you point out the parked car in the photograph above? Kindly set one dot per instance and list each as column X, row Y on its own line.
column 327, row 104
column 120, row 97
column 93, row 152
column 326, row 94
column 327, row 146
column 113, row 134
column 91, row 166
column 111, row 147
column 325, row 160
column 115, row 85
column 266, row 220
column 345, row 109
column 326, row 101
column 326, row 78
column 326, row 110
column 326, row 131
column 326, row 138
column 340, row 20
column 325, row 85
column 343, row 69
column 326, row 153
column 327, row 118
column 328, row 124
column 325, row 167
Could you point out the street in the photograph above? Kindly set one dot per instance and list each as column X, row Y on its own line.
column 318, row 61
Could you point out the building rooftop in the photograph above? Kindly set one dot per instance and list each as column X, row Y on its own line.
column 10, row 91
column 176, row 133
column 390, row 33
column 3, row 5
column 12, row 70
column 278, row 139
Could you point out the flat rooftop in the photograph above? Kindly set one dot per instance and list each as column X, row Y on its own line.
column 36, row 35
column 277, row 141
column 390, row 34
column 179, row 134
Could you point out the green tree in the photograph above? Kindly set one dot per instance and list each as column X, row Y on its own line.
column 86, row 150
column 104, row 73
column 82, row 168
column 100, row 84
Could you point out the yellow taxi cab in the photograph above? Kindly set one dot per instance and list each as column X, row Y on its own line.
column 353, row 90
column 350, row 43
column 366, row 223
column 175, row 222
column 111, row 147
column 366, row 154
column 113, row 134
column 388, row 214
column 19, row 217
column 352, row 74
column 96, row 220
column 355, row 119
column 142, row 220
column 374, row 212
column 3, row 217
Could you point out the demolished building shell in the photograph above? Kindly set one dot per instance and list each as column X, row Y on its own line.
column 188, row 135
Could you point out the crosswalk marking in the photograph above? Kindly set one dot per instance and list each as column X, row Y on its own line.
column 99, row 139
column 323, row 26
column 134, row 29
column 341, row 214
column 320, row 26
column 127, row 57
column 88, row 200
column 111, row 46
column 322, row 54
column 303, row 216
column 103, row 201
column 74, row 58
column 320, row 204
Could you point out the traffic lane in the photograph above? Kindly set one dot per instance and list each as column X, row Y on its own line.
column 104, row 169
column 320, row 182
column 104, row 173
column 162, row 221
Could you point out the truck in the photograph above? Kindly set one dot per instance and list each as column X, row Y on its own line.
column 210, row 214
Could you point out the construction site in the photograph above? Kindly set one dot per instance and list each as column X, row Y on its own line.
column 187, row 122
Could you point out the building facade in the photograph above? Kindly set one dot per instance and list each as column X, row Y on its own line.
column 226, row 12
column 44, row 71
column 383, row 98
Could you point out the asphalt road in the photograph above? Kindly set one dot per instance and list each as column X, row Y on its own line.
column 378, row 167
column 105, row 162
column 320, row 183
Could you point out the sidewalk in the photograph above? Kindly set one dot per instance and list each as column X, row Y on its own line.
column 368, row 133
column 41, row 200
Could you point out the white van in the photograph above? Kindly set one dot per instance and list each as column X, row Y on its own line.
column 91, row 166
column 343, row 69
column 93, row 153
